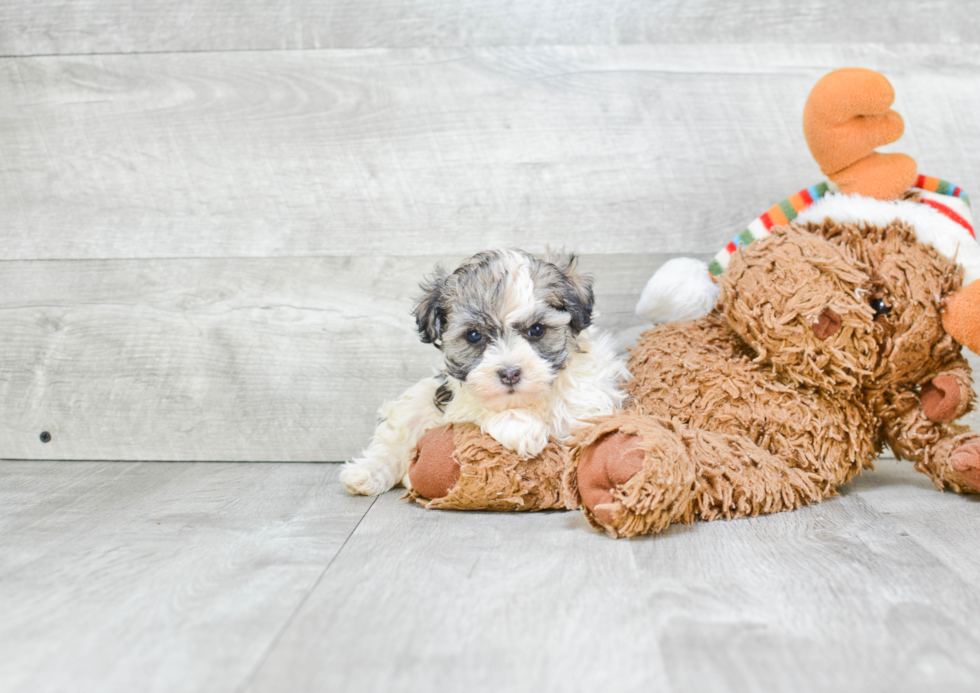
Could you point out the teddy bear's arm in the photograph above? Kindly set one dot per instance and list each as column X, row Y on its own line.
column 459, row 467
column 949, row 395
column 936, row 448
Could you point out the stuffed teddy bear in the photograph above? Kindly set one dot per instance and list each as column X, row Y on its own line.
column 840, row 315
column 838, row 331
column 828, row 345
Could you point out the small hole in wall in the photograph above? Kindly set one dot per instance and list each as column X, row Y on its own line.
column 45, row 437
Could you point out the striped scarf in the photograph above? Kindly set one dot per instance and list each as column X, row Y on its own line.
column 932, row 192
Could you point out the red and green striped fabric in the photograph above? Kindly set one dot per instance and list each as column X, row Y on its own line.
column 938, row 185
column 777, row 215
column 789, row 209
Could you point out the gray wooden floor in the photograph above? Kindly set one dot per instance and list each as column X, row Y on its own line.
column 123, row 576
column 213, row 218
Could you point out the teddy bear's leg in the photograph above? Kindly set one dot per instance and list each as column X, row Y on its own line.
column 830, row 452
column 458, row 467
column 637, row 475
column 609, row 463
column 633, row 475
column 953, row 462
column 737, row 478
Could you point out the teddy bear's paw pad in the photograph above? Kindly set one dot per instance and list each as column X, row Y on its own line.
column 608, row 463
column 435, row 471
column 966, row 461
column 941, row 398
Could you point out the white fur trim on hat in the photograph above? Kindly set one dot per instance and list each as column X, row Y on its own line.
column 681, row 289
column 932, row 228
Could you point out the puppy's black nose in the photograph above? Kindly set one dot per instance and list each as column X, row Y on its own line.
column 510, row 376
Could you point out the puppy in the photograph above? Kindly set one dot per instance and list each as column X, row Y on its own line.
column 520, row 361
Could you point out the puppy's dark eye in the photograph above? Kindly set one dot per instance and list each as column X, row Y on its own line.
column 879, row 307
column 474, row 337
column 535, row 331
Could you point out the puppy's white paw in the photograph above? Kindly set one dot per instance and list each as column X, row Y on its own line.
column 518, row 430
column 360, row 481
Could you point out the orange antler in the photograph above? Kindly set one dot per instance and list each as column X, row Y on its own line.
column 847, row 115
column 961, row 317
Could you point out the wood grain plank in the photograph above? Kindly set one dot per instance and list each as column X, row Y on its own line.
column 947, row 524
column 112, row 26
column 646, row 149
column 282, row 359
column 160, row 577
column 833, row 597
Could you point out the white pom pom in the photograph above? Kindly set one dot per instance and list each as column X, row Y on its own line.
column 680, row 290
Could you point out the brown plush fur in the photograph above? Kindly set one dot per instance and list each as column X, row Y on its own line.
column 770, row 404
column 686, row 474
column 488, row 476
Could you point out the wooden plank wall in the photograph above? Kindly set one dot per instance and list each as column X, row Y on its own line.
column 213, row 217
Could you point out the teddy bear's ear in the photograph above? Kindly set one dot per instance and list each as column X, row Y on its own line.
column 430, row 311
column 961, row 317
column 577, row 293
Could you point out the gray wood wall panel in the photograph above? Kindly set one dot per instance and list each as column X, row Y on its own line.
column 209, row 255
column 601, row 149
column 125, row 26
column 159, row 577
column 210, row 359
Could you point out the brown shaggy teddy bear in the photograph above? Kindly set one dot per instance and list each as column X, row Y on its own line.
column 828, row 345
column 837, row 331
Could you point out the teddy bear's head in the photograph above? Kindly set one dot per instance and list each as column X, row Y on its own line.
column 801, row 302
column 841, row 306
column 911, row 284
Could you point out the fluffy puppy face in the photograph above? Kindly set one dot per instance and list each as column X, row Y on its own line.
column 506, row 322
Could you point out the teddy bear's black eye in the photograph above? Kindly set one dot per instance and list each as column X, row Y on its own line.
column 879, row 307
column 474, row 337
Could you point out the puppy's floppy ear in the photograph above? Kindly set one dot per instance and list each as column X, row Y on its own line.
column 430, row 312
column 577, row 291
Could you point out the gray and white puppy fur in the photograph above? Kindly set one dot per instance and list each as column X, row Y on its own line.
column 520, row 360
